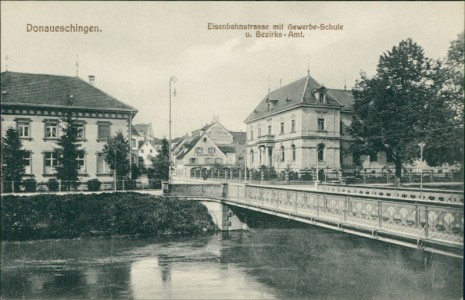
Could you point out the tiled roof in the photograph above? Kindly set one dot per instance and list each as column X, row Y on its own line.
column 187, row 147
column 294, row 94
column 54, row 91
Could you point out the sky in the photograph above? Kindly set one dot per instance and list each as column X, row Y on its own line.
column 220, row 73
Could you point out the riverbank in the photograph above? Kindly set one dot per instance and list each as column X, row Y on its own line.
column 79, row 215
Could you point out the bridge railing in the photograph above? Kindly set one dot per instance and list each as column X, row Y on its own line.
column 198, row 190
column 416, row 219
column 397, row 193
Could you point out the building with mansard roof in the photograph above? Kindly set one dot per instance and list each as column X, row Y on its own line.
column 34, row 104
column 299, row 126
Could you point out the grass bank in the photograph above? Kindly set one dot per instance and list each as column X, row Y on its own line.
column 78, row 215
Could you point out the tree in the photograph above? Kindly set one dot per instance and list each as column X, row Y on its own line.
column 161, row 163
column 13, row 163
column 445, row 143
column 390, row 108
column 68, row 153
column 116, row 154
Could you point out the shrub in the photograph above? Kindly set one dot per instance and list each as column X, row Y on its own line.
column 30, row 185
column 53, row 185
column 93, row 185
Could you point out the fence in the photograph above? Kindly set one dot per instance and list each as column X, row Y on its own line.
column 363, row 176
column 31, row 186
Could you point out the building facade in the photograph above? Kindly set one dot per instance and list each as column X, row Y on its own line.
column 210, row 146
column 35, row 104
column 144, row 144
column 298, row 127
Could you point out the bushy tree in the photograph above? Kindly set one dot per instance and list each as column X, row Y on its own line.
column 390, row 108
column 116, row 153
column 68, row 152
column 444, row 138
column 13, row 163
column 161, row 163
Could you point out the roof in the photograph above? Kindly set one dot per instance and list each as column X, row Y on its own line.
column 134, row 131
column 227, row 149
column 54, row 91
column 297, row 93
column 239, row 137
column 187, row 147
column 345, row 97
column 142, row 128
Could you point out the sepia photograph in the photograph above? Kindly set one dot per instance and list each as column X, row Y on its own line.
column 232, row 150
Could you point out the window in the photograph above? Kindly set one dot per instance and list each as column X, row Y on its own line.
column 151, row 151
column 193, row 160
column 251, row 133
column 133, row 143
column 293, row 126
column 81, row 132
column 208, row 161
column 142, row 151
column 28, row 163
column 204, row 139
column 81, row 159
column 282, row 154
column 198, row 150
column 282, row 128
column 104, row 132
column 321, row 152
column 322, row 97
column 102, row 166
column 218, row 160
column 293, row 152
column 251, row 156
column 51, row 130
column 51, row 161
column 269, row 129
column 211, row 150
column 259, row 131
column 321, row 124
column 24, row 128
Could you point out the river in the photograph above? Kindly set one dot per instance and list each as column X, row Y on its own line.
column 303, row 263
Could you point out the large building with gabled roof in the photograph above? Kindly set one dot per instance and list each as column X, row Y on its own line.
column 34, row 105
column 299, row 126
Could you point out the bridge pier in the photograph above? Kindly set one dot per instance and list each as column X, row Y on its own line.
column 224, row 217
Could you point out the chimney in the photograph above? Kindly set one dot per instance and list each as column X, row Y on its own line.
column 92, row 80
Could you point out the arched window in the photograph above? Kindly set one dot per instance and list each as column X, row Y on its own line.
column 321, row 152
column 293, row 152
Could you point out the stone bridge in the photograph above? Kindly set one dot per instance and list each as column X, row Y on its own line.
column 429, row 220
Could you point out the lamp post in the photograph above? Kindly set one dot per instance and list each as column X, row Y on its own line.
column 173, row 79
column 422, row 145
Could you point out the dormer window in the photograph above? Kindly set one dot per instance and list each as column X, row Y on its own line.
column 320, row 94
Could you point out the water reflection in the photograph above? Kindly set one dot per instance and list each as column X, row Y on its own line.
column 308, row 263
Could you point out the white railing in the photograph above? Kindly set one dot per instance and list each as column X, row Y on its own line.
column 397, row 193
column 417, row 220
